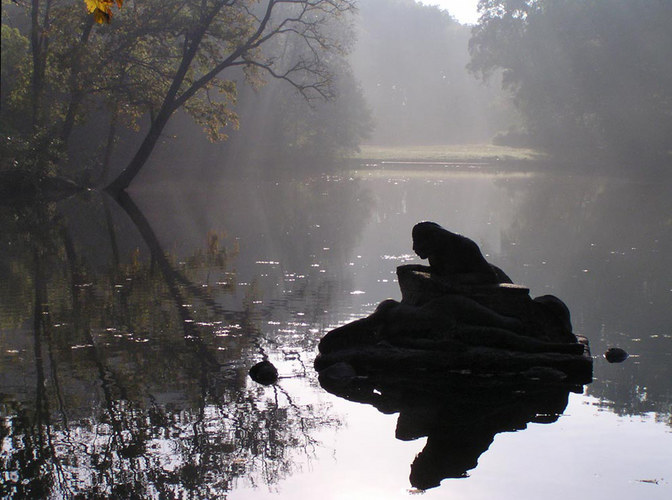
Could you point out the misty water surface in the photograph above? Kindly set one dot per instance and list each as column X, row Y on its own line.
column 126, row 333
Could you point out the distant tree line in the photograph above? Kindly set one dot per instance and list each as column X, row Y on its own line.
column 591, row 78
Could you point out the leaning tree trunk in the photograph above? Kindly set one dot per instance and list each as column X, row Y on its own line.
column 109, row 147
column 170, row 104
column 39, row 43
column 76, row 92
column 124, row 179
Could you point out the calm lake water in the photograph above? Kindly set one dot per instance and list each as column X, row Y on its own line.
column 126, row 333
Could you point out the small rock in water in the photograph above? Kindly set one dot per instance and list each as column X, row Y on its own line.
column 264, row 373
column 615, row 355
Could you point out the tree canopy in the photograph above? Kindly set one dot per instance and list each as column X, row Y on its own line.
column 161, row 56
column 589, row 77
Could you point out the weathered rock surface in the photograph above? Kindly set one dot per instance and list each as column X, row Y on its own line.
column 454, row 323
column 545, row 318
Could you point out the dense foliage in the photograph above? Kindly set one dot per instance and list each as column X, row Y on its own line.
column 154, row 59
column 589, row 76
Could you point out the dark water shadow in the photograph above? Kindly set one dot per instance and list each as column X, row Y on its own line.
column 459, row 415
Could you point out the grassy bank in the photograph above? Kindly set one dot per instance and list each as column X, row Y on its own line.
column 445, row 153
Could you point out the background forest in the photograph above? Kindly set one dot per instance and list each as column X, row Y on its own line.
column 583, row 81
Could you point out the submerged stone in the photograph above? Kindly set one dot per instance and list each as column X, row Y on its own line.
column 264, row 373
column 616, row 355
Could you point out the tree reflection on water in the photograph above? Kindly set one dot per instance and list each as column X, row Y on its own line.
column 125, row 343
column 132, row 382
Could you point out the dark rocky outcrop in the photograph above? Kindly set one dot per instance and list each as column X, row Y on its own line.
column 462, row 318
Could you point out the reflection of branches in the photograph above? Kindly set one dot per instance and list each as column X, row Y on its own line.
column 111, row 232
column 46, row 449
column 264, row 432
column 45, row 327
column 192, row 337
column 172, row 278
column 209, row 362
column 180, row 443
column 171, row 275
column 124, row 442
column 306, row 423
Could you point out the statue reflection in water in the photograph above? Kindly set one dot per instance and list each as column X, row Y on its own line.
column 460, row 415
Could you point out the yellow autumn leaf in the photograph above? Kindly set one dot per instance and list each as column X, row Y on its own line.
column 102, row 9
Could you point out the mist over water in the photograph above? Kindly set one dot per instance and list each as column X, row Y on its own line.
column 129, row 318
column 136, row 367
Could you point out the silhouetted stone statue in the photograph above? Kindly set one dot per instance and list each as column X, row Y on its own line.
column 454, row 256
column 456, row 315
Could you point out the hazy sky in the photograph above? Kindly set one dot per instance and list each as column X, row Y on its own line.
column 462, row 10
